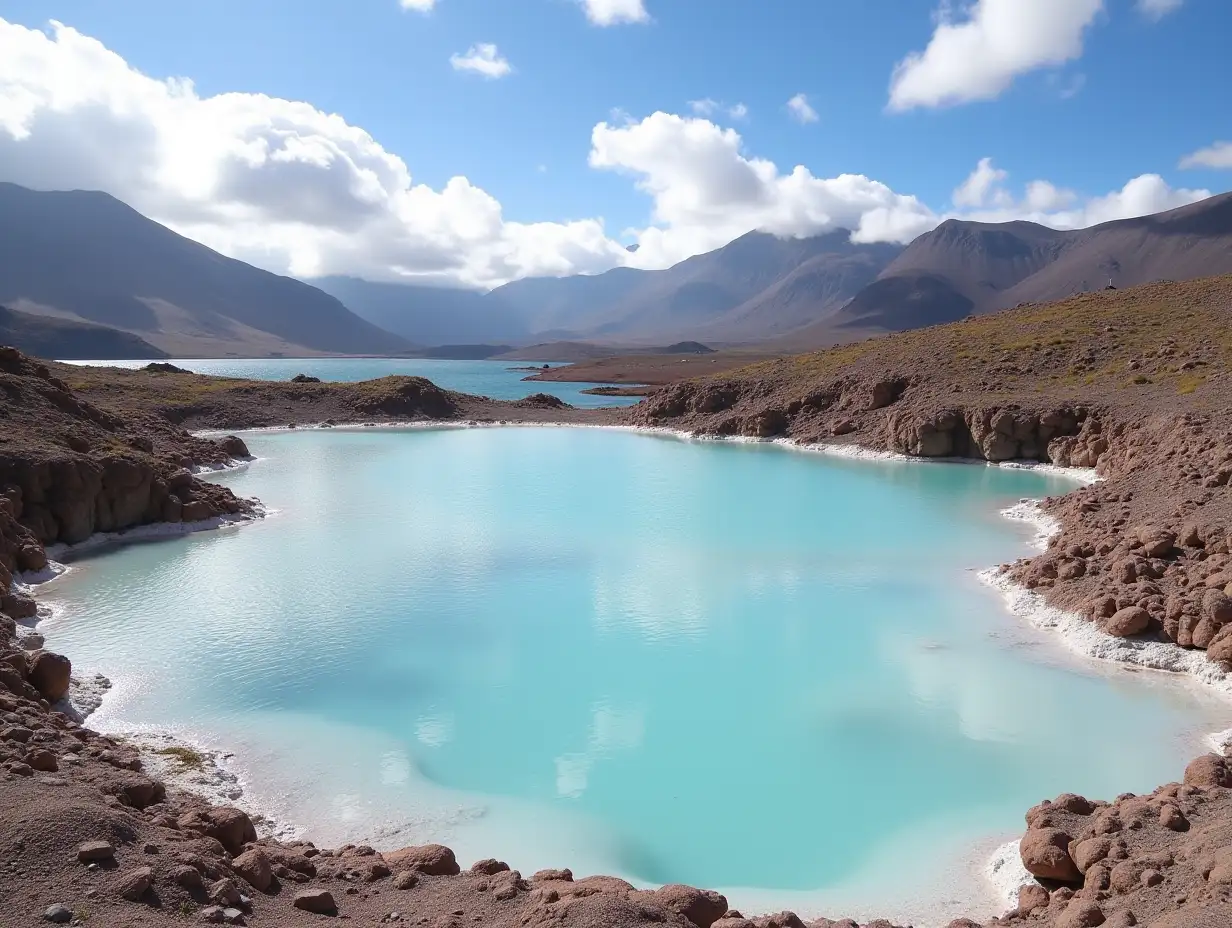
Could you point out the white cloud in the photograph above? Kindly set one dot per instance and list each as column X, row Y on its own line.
column 419, row 6
column 483, row 58
column 1218, row 155
column 706, row 191
column 978, row 57
column 1158, row 9
column 288, row 187
column 274, row 182
column 981, row 186
column 707, row 107
column 983, row 197
column 614, row 12
column 801, row 110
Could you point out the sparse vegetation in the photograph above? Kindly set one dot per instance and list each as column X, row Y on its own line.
column 187, row 757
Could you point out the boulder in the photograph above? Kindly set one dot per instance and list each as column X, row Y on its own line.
column 489, row 866
column 42, row 759
column 1208, row 770
column 430, row 859
column 701, row 907
column 1125, row 623
column 135, row 789
column 49, row 674
column 317, row 901
column 225, row 892
column 406, row 880
column 1045, row 854
column 94, row 851
column 1090, row 852
column 255, row 868
column 1081, row 914
column 565, row 875
column 133, row 885
column 234, row 447
column 58, row 914
column 187, row 877
column 1032, row 897
column 230, row 827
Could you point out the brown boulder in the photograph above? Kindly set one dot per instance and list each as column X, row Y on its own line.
column 406, row 880
column 489, row 866
column 93, row 851
column 317, row 901
column 1090, row 852
column 230, row 827
column 565, row 875
column 133, row 885
column 1208, row 770
column 1081, row 914
column 1045, row 854
column 431, row 859
column 42, row 759
column 1032, row 897
column 254, row 866
column 1127, row 622
column 135, row 789
column 49, row 674
column 701, row 907
column 234, row 447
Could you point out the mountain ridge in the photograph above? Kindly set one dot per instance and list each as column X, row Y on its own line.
column 88, row 257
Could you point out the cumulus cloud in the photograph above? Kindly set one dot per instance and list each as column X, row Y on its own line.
column 979, row 56
column 801, row 110
column 483, row 58
column 614, row 12
column 288, row 187
column 1158, row 9
column 984, row 197
column 419, row 6
column 274, row 182
column 706, row 191
column 1218, row 155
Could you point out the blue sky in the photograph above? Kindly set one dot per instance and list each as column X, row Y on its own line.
column 1134, row 93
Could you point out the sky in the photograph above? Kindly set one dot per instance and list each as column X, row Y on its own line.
column 471, row 142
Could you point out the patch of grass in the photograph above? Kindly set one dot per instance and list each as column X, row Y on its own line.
column 186, row 756
column 1188, row 382
column 187, row 908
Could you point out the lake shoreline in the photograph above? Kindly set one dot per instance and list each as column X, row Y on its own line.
column 994, row 871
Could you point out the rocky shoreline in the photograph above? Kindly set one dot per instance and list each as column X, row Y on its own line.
column 1144, row 557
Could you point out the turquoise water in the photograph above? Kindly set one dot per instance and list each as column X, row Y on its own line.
column 724, row 664
column 494, row 379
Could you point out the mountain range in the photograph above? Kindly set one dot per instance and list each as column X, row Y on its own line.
column 86, row 259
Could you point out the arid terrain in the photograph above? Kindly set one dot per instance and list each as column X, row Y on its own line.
column 1131, row 382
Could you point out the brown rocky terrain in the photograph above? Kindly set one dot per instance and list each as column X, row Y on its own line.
column 1133, row 383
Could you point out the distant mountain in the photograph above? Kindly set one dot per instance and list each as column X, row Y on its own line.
column 86, row 256
column 429, row 315
column 972, row 267
column 66, row 340
column 754, row 287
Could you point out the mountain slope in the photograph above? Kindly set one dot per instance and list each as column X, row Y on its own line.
column 756, row 286
column 67, row 340
column 973, row 267
column 428, row 315
column 87, row 256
